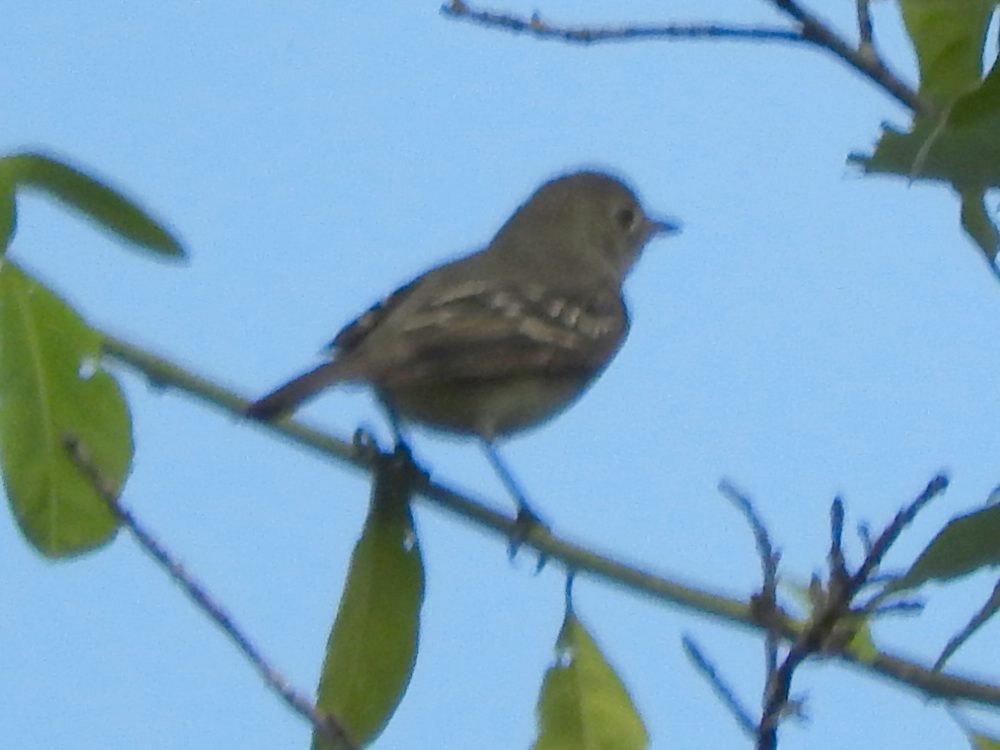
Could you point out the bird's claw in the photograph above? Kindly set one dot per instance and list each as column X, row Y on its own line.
column 526, row 525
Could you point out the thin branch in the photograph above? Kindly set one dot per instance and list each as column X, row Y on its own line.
column 838, row 565
column 769, row 558
column 594, row 34
column 869, row 65
column 724, row 691
column 866, row 33
column 834, row 610
column 810, row 30
column 865, row 536
column 164, row 373
column 903, row 607
column 326, row 725
column 985, row 613
column 887, row 538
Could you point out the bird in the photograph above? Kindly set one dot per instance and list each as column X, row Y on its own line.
column 505, row 338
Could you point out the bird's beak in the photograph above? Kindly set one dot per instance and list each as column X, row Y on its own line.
column 661, row 226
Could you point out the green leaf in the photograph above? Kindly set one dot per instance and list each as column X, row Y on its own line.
column 373, row 646
column 8, row 215
column 979, row 104
column 966, row 157
column 978, row 225
column 983, row 742
column 958, row 144
column 964, row 545
column 50, row 387
column 583, row 704
column 948, row 36
column 861, row 645
column 97, row 201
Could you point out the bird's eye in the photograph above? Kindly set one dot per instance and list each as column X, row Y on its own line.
column 626, row 218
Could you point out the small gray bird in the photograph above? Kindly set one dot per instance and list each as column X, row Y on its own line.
column 505, row 338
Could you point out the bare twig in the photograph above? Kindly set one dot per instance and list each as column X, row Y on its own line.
column 865, row 535
column 985, row 612
column 835, row 607
column 632, row 32
column 810, row 30
column 866, row 39
column 868, row 65
column 725, row 693
column 903, row 607
column 838, row 565
column 326, row 725
column 768, row 556
column 887, row 538
column 767, row 601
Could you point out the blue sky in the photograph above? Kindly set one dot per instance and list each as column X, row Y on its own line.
column 810, row 333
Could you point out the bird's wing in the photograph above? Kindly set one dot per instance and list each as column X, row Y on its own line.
column 355, row 332
column 489, row 329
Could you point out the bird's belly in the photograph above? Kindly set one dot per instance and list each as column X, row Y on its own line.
column 487, row 408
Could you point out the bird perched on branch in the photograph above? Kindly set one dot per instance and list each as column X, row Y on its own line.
column 505, row 338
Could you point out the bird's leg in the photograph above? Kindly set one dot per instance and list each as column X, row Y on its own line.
column 527, row 519
column 511, row 484
column 398, row 436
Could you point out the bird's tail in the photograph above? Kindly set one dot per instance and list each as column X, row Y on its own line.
column 291, row 394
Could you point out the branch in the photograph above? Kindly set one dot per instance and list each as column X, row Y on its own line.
column 865, row 29
column 163, row 373
column 767, row 600
column 326, row 725
column 984, row 614
column 833, row 611
column 725, row 693
column 864, row 60
column 888, row 537
column 594, row 34
column 810, row 31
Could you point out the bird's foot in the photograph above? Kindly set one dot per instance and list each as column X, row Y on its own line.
column 526, row 525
